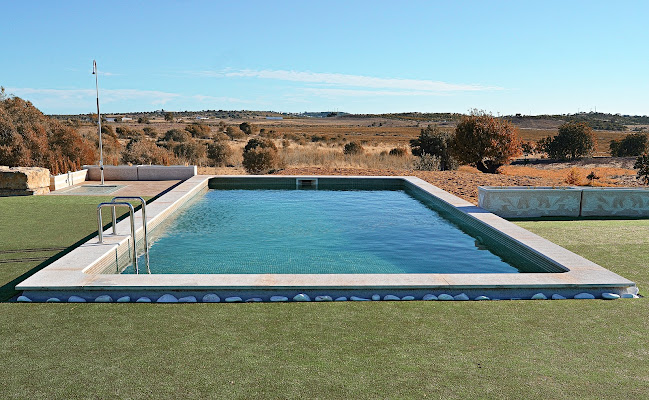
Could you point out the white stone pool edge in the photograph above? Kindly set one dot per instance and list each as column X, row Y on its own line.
column 72, row 275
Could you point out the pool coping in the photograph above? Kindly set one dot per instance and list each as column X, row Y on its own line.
column 76, row 271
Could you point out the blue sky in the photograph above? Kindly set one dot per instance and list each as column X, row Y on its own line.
column 356, row 56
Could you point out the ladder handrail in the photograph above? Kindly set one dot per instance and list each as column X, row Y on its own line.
column 100, row 226
column 144, row 224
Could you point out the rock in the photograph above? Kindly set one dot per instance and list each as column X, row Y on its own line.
column 24, row 299
column 21, row 181
column 278, row 298
column 76, row 299
column 557, row 297
column 461, row 297
column 104, row 298
column 187, row 299
column 429, row 297
column 341, row 299
column 391, row 297
column 254, row 300
column 445, row 297
column 234, row 299
column 167, row 298
column 124, row 299
column 610, row 296
column 143, row 300
column 480, row 298
column 211, row 298
column 355, row 298
column 53, row 300
column 301, row 297
column 539, row 296
column 584, row 296
column 323, row 298
column 629, row 296
column 408, row 298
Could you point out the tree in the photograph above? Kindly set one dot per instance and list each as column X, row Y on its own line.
column 485, row 142
column 169, row 116
column 219, row 153
column 234, row 133
column 260, row 155
column 435, row 142
column 633, row 144
column 574, row 141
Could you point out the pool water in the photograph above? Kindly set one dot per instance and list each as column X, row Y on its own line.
column 315, row 232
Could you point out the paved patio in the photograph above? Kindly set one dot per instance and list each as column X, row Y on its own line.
column 116, row 188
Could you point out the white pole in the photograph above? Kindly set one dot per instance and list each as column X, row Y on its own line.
column 101, row 151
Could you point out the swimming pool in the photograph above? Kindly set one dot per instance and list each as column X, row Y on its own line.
column 273, row 231
column 349, row 263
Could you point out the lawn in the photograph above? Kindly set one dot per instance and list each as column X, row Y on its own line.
column 505, row 349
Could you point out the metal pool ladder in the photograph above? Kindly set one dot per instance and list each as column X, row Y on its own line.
column 113, row 204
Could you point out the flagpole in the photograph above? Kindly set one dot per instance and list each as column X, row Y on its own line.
column 101, row 151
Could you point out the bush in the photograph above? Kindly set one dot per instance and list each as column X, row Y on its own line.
column 199, row 130
column 633, row 144
column 143, row 120
column 234, row 133
column 191, row 151
column 436, row 142
column 427, row 162
column 260, row 156
column 146, row 152
column 398, row 152
column 247, row 128
column 30, row 139
column 485, row 142
column 353, row 148
column 176, row 135
column 574, row 141
column 219, row 153
column 573, row 177
column 642, row 165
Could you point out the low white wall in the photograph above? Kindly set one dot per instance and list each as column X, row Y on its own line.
column 532, row 202
column 615, row 202
column 141, row 172
column 64, row 180
column 524, row 202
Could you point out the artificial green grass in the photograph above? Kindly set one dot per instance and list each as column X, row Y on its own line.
column 499, row 349
column 47, row 224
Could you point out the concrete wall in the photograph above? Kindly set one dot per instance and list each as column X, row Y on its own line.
column 141, row 172
column 532, row 202
column 65, row 180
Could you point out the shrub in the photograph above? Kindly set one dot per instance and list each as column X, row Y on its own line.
column 573, row 177
column 260, row 155
column 436, row 142
column 143, row 120
column 633, row 144
column 574, row 141
column 146, row 152
column 398, row 152
column 150, row 132
column 642, row 165
column 30, row 139
column 176, row 135
column 485, row 142
column 247, row 128
column 199, row 130
column 191, row 151
column 234, row 133
column 219, row 153
column 427, row 162
column 169, row 116
column 353, row 148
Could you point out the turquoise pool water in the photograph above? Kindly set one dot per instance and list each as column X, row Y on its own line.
column 315, row 232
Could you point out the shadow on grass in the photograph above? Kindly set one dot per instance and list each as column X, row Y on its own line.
column 8, row 290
